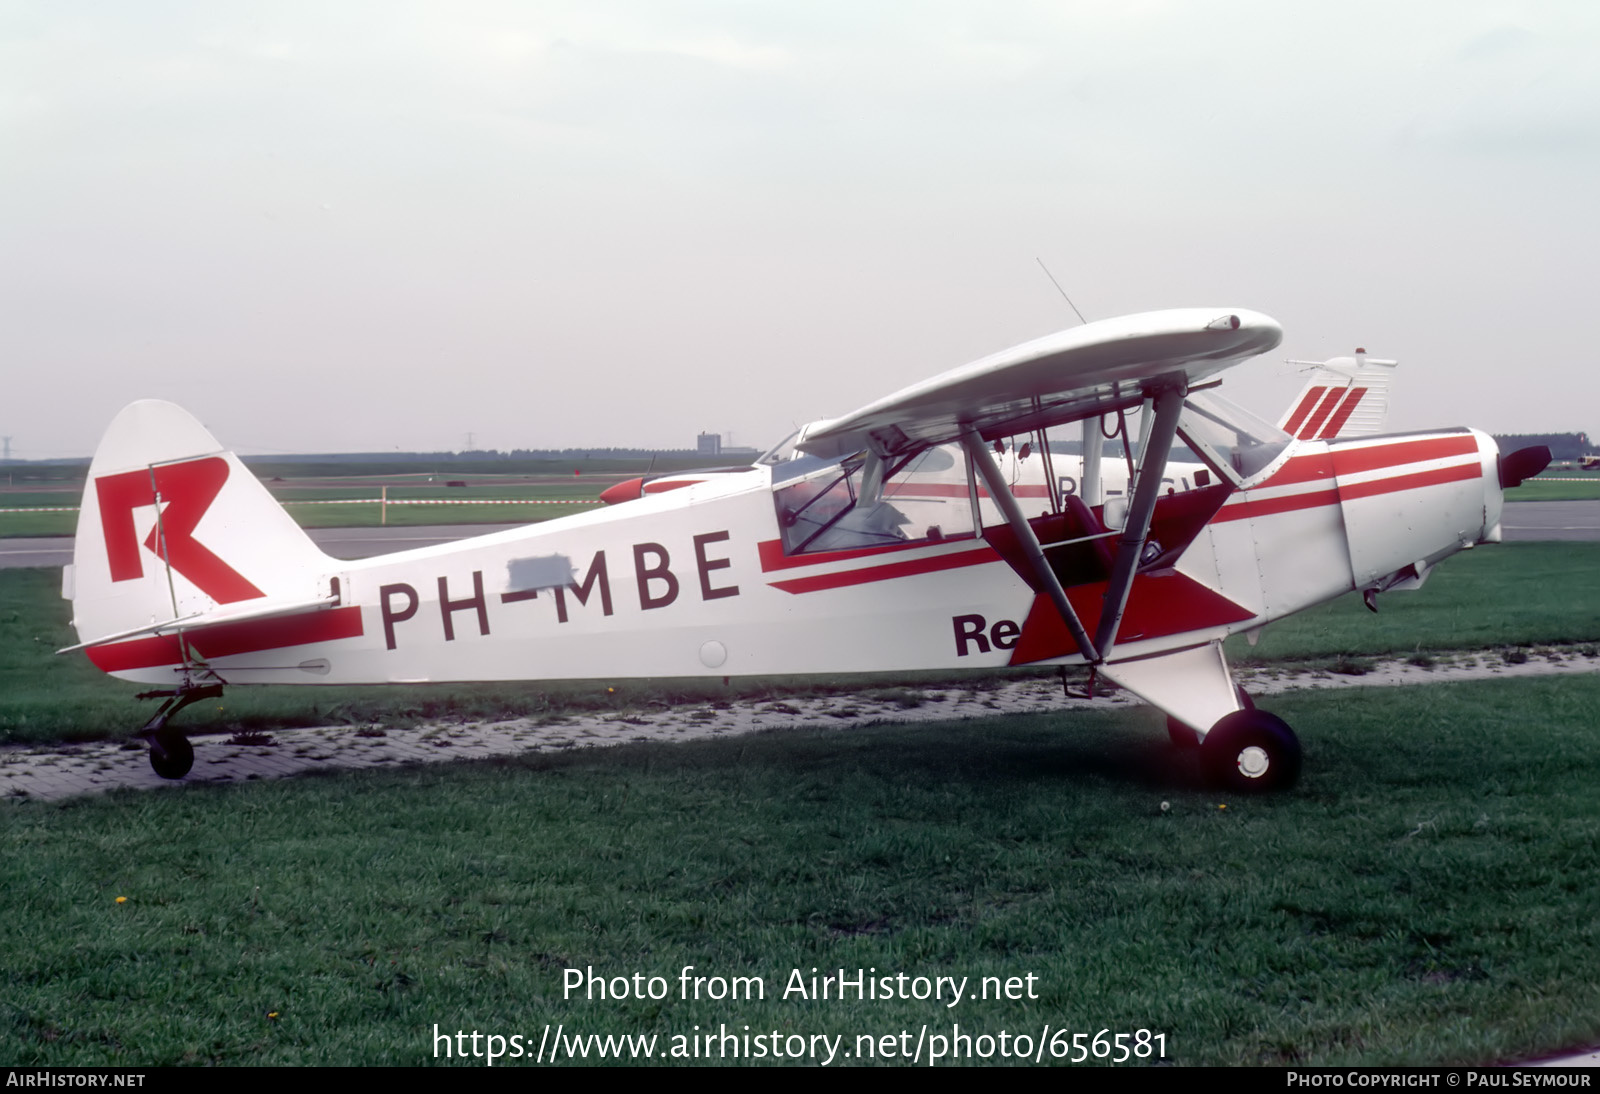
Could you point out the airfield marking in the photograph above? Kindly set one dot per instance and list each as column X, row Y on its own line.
column 53, row 772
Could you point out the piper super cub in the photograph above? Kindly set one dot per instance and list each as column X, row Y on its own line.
column 889, row 539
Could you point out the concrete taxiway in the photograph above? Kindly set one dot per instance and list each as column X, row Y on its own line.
column 1547, row 520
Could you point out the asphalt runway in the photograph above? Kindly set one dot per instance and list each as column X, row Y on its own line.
column 1563, row 520
column 1522, row 521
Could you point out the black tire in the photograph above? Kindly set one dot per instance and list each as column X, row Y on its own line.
column 1251, row 752
column 1183, row 734
column 171, row 754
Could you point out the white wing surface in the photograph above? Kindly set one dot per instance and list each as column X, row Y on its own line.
column 1058, row 378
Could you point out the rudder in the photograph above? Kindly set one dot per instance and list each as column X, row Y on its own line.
column 172, row 525
column 1345, row 397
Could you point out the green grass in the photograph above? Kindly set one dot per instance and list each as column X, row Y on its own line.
column 526, row 478
column 1550, row 490
column 37, row 524
column 1425, row 896
column 1509, row 594
column 576, row 494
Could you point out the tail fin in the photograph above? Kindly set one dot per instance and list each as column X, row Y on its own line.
column 1345, row 397
column 172, row 526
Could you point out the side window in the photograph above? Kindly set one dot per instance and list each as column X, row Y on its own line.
column 923, row 499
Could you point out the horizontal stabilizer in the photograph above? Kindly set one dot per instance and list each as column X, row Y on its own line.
column 198, row 621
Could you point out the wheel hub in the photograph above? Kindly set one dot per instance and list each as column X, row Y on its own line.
column 1254, row 762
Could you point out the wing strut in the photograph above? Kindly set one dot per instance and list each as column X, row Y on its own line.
column 984, row 462
column 1136, row 528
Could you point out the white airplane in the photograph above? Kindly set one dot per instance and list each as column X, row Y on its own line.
column 889, row 539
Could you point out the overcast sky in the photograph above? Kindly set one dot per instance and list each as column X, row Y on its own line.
column 333, row 226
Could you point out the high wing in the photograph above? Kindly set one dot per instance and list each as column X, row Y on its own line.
column 1152, row 359
column 1062, row 377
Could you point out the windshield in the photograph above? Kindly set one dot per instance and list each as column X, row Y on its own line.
column 1229, row 436
column 860, row 502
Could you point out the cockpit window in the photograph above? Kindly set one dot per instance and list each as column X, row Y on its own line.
column 1229, row 437
column 781, row 452
column 788, row 462
column 861, row 502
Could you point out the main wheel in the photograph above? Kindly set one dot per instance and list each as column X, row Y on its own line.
column 1252, row 752
column 171, row 754
column 1183, row 734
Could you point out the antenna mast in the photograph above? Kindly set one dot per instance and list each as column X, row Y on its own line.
column 1060, row 290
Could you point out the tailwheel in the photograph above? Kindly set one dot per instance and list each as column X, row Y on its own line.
column 171, row 754
column 1252, row 752
column 1184, row 735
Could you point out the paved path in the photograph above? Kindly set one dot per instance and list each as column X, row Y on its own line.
column 60, row 771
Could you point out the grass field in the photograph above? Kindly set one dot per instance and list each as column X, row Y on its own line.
column 1559, row 487
column 1508, row 594
column 1426, row 896
column 423, row 492
column 414, row 500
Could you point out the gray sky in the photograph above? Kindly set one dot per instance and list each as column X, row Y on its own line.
column 360, row 226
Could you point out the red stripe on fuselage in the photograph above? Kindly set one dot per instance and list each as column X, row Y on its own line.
column 1435, row 477
column 1261, row 507
column 228, row 639
column 773, row 558
column 932, row 564
column 1347, row 460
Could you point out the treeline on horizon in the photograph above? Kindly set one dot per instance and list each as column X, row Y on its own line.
column 519, row 461
column 1563, row 446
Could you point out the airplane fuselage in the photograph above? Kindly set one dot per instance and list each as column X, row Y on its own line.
column 698, row 581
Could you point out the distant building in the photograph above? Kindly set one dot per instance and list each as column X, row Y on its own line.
column 709, row 444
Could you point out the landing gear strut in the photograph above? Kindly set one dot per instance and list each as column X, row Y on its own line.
column 1184, row 735
column 1251, row 752
column 171, row 754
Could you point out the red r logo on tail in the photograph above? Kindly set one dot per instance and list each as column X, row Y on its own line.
column 186, row 491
